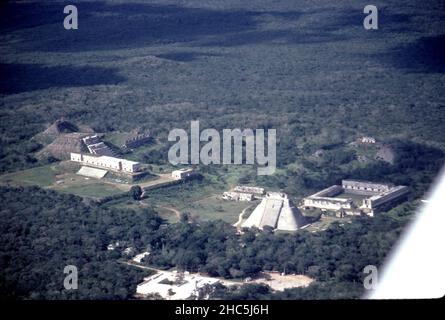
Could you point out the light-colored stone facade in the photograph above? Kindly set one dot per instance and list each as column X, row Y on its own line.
column 248, row 189
column 368, row 140
column 365, row 187
column 182, row 174
column 377, row 197
column 106, row 162
column 238, row 196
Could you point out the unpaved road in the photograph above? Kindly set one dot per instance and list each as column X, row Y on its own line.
column 240, row 217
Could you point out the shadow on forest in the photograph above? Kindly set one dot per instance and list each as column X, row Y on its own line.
column 105, row 26
column 424, row 55
column 16, row 78
column 184, row 56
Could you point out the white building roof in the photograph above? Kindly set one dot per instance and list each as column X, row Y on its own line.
column 92, row 172
column 180, row 291
column 117, row 160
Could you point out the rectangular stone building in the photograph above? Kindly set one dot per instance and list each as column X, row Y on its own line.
column 106, row 162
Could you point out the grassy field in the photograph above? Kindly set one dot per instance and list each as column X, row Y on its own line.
column 41, row 176
column 202, row 199
column 168, row 214
column 91, row 190
column 214, row 207
column 61, row 176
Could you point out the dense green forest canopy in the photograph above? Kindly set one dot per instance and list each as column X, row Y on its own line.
column 43, row 231
column 306, row 68
column 339, row 253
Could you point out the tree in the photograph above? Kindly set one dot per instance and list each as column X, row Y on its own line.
column 135, row 192
column 184, row 217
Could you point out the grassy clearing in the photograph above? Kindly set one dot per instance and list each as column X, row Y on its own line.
column 40, row 176
column 202, row 199
column 214, row 207
column 93, row 190
column 368, row 151
column 168, row 214
column 61, row 177
column 43, row 176
column 179, row 194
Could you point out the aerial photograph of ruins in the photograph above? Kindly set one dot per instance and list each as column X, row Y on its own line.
column 214, row 149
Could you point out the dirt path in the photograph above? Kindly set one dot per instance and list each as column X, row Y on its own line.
column 240, row 217
column 177, row 212
column 137, row 265
column 164, row 178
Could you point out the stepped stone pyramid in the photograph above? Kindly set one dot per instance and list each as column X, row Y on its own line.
column 276, row 211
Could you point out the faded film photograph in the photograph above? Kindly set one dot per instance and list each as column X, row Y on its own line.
column 223, row 155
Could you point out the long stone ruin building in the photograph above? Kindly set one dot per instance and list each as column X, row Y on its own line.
column 238, row 196
column 244, row 193
column 365, row 187
column 377, row 197
column 106, row 162
column 248, row 189
column 325, row 199
column 137, row 141
column 276, row 211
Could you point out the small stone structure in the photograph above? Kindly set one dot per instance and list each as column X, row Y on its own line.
column 183, row 174
column 368, row 140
